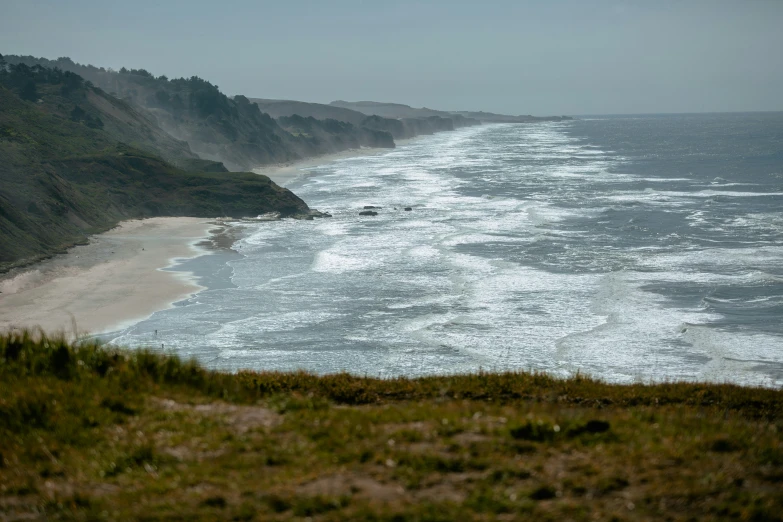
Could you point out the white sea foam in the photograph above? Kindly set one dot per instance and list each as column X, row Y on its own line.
column 329, row 261
column 512, row 257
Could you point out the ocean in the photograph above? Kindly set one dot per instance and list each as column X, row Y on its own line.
column 631, row 248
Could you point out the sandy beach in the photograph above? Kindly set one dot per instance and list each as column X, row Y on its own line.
column 114, row 280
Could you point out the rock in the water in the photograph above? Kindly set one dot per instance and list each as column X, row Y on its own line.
column 368, row 213
column 407, row 209
column 370, row 207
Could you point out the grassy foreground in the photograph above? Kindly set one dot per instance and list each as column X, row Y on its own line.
column 93, row 433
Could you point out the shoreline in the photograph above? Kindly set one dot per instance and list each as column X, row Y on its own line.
column 286, row 173
column 117, row 279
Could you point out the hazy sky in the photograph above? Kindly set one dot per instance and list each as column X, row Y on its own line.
column 537, row 57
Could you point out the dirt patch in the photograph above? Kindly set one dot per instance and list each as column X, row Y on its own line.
column 183, row 452
column 358, row 485
column 101, row 489
column 13, row 501
column 421, row 427
column 203, row 488
column 424, row 448
column 15, row 516
column 241, row 418
column 467, row 438
column 65, row 488
column 441, row 493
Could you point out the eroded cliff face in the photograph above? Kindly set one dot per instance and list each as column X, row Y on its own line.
column 324, row 136
column 393, row 126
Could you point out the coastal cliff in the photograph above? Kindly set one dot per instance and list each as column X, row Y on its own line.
column 490, row 117
column 83, row 147
column 75, row 161
column 459, row 118
column 402, row 124
column 328, row 135
column 230, row 130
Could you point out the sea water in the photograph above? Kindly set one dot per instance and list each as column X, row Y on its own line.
column 634, row 248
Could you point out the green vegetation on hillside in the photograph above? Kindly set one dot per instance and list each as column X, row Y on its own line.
column 233, row 131
column 320, row 111
column 74, row 161
column 98, row 433
column 68, row 96
column 402, row 125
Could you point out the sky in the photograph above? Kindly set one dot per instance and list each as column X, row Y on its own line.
column 570, row 57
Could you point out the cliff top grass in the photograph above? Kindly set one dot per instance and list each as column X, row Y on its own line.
column 93, row 432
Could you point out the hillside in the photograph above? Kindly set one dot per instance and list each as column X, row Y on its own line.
column 233, row 131
column 490, row 117
column 400, row 127
column 282, row 108
column 398, row 120
column 67, row 96
column 461, row 118
column 332, row 134
column 64, row 174
column 403, row 121
column 389, row 110
column 95, row 433
column 244, row 133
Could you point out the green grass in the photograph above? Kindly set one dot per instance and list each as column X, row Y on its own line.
column 91, row 432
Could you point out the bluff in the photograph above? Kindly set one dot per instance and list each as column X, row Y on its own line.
column 320, row 111
column 404, row 121
column 370, row 126
column 389, row 110
column 400, row 125
column 490, row 117
column 231, row 130
column 75, row 161
column 330, row 134
column 460, row 118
